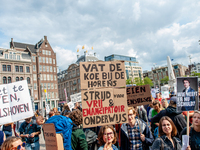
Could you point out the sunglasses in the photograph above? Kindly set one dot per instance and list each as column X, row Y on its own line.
column 19, row 146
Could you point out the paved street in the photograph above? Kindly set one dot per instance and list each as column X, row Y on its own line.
column 42, row 142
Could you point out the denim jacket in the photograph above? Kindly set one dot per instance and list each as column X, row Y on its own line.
column 167, row 145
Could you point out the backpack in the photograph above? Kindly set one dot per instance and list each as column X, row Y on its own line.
column 64, row 126
column 90, row 136
column 156, row 132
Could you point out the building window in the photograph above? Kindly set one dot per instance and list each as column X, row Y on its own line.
column 54, row 78
column 34, row 77
column 52, row 86
column 49, row 95
column 44, row 69
column 9, row 80
column 40, row 59
column 47, row 67
column 50, row 60
column 4, row 67
column 49, row 86
column 40, row 68
column 41, row 85
column 10, row 55
column 50, row 68
column 55, row 86
column 51, row 77
column 49, row 52
column 21, row 68
column 17, row 79
column 14, row 56
column 9, row 68
column 54, row 61
column 56, row 95
column 4, row 80
column 54, row 69
column 45, row 85
column 21, row 78
column 34, row 68
column 33, row 58
column 6, row 56
column 43, row 59
column 28, row 80
column 18, row 57
column 43, row 52
column 47, row 77
column 47, row 60
column 52, row 94
column 41, row 77
column 44, row 77
column 27, row 69
column 35, row 86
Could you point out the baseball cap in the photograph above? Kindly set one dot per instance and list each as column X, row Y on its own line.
column 173, row 100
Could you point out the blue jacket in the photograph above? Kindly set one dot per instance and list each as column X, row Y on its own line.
column 125, row 144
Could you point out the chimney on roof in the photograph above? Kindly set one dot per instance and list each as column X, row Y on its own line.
column 45, row 37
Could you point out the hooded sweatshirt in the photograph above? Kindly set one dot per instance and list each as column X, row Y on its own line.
column 176, row 117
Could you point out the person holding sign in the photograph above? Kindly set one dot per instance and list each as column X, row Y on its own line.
column 167, row 139
column 107, row 138
column 194, row 131
column 135, row 135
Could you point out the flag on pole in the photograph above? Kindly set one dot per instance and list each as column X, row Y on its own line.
column 45, row 91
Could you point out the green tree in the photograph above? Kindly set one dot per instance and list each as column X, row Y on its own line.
column 129, row 81
column 195, row 74
column 165, row 80
column 138, row 81
column 147, row 81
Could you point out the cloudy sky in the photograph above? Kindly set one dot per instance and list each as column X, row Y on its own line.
column 149, row 30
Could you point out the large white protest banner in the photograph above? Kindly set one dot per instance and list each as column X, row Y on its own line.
column 75, row 97
column 15, row 102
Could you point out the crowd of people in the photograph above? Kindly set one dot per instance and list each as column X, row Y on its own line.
column 157, row 126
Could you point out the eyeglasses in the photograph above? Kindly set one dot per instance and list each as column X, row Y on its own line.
column 110, row 133
column 130, row 115
column 19, row 146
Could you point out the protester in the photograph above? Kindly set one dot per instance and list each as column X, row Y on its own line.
column 107, row 138
column 191, row 113
column 51, row 113
column 13, row 143
column 156, row 109
column 30, row 131
column 167, row 139
column 7, row 129
column 40, row 120
column 164, row 103
column 78, row 140
column 158, row 97
column 2, row 137
column 142, row 113
column 175, row 116
column 65, row 109
column 55, row 110
column 77, row 106
column 194, row 132
column 135, row 134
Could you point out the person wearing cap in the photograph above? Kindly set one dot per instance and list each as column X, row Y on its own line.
column 187, row 91
column 171, row 112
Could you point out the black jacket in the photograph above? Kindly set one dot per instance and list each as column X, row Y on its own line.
column 176, row 117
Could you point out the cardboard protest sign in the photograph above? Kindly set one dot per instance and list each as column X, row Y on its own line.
column 75, row 97
column 138, row 95
column 52, row 140
column 102, row 74
column 104, row 106
column 187, row 94
column 15, row 103
column 71, row 105
column 165, row 91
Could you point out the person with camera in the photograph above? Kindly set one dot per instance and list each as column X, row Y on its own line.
column 29, row 132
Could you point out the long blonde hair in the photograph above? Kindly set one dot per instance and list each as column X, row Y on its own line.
column 7, row 144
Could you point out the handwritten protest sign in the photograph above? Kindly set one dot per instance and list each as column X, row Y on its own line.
column 102, row 74
column 75, row 97
column 15, row 102
column 138, row 95
column 104, row 106
column 187, row 94
column 52, row 140
column 165, row 91
column 153, row 93
column 71, row 105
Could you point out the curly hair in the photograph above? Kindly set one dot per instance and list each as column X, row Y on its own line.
column 101, row 134
column 76, row 117
column 7, row 144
